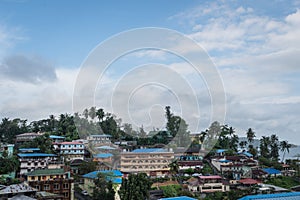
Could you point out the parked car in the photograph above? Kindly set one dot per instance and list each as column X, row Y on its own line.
column 84, row 192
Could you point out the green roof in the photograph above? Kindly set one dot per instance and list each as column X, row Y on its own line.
column 43, row 172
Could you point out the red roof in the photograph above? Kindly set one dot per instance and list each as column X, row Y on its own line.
column 71, row 143
column 210, row 177
column 248, row 181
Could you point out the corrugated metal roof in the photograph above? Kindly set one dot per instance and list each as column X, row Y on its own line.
column 103, row 155
column 179, row 198
column 39, row 172
column 271, row 171
column 116, row 174
column 56, row 137
column 36, row 155
column 150, row 150
column 29, row 149
column 279, row 196
column 106, row 148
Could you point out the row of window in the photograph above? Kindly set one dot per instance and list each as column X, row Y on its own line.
column 56, row 186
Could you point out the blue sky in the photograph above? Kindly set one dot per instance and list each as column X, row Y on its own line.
column 254, row 45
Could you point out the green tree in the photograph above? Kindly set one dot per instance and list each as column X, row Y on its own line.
column 103, row 187
column 250, row 135
column 92, row 112
column 265, row 146
column 284, row 147
column 274, row 147
column 136, row 187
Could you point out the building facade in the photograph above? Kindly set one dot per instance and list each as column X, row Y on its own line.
column 26, row 137
column 208, row 184
column 154, row 162
column 32, row 161
column 99, row 139
column 71, row 150
column 56, row 181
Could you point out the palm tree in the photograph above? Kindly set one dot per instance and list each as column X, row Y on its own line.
column 250, row 135
column 243, row 144
column 284, row 147
column 100, row 114
column 174, row 167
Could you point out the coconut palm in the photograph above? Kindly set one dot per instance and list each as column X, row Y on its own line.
column 284, row 147
column 250, row 135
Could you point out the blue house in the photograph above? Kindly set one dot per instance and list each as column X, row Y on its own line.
column 111, row 175
column 272, row 171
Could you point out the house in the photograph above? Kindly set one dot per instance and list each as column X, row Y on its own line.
column 272, row 171
column 99, row 139
column 9, row 148
column 26, row 137
column 208, row 184
column 31, row 161
column 71, row 150
column 57, row 139
column 279, row 196
column 190, row 161
column 152, row 161
column 248, row 182
column 112, row 175
column 104, row 161
column 56, row 181
column 22, row 189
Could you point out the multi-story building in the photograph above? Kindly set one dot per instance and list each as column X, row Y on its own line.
column 56, row 181
column 112, row 175
column 154, row 162
column 71, row 150
column 99, row 139
column 31, row 161
column 234, row 167
column 26, row 137
column 8, row 148
column 208, row 184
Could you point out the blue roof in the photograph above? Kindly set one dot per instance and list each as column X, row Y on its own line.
column 224, row 161
column 29, row 149
column 35, row 155
column 271, row 171
column 150, row 150
column 279, row 196
column 116, row 173
column 103, row 135
column 247, row 154
column 103, row 155
column 179, row 198
column 56, row 137
column 106, row 148
column 220, row 150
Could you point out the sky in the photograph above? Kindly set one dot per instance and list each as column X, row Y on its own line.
column 254, row 45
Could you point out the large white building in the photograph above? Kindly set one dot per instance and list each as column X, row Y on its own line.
column 153, row 161
column 99, row 139
column 32, row 161
column 71, row 150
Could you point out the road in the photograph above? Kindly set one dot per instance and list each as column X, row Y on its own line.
column 79, row 196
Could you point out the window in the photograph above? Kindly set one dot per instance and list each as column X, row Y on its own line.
column 32, row 178
column 46, row 187
column 66, row 186
column 66, row 194
column 37, row 187
column 56, row 186
column 28, row 164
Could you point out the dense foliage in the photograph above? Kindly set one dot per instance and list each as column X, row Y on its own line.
column 136, row 187
column 103, row 188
